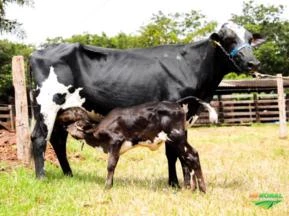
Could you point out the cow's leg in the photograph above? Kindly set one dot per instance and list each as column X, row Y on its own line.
column 38, row 139
column 113, row 157
column 58, row 141
column 172, row 158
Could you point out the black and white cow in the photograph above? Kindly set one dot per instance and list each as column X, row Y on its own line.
column 150, row 125
column 99, row 80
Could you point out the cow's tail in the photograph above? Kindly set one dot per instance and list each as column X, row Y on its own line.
column 213, row 116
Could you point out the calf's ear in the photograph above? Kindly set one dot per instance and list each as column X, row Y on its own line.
column 215, row 37
column 257, row 40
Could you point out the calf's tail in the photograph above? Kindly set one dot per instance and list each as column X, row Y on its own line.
column 213, row 116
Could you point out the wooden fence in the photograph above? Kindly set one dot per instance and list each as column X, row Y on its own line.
column 7, row 117
column 245, row 109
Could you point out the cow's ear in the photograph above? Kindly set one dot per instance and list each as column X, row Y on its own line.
column 215, row 37
column 257, row 40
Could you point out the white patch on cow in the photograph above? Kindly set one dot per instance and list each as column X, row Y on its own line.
column 239, row 30
column 213, row 116
column 49, row 108
column 192, row 175
column 160, row 139
column 176, row 131
column 162, row 136
column 73, row 99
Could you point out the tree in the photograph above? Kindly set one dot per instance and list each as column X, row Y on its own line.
column 162, row 29
column 266, row 20
column 174, row 28
column 7, row 51
column 11, row 26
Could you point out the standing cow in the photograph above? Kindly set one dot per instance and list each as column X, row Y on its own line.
column 99, row 79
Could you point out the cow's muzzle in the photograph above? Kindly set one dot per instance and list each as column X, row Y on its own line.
column 253, row 65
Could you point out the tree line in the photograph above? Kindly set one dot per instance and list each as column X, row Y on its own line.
column 166, row 29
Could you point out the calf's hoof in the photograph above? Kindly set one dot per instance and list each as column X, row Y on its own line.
column 107, row 187
column 202, row 187
column 193, row 185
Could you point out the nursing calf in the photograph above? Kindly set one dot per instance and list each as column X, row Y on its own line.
column 149, row 125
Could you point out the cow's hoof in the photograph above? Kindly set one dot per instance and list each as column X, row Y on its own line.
column 174, row 185
column 40, row 175
column 69, row 174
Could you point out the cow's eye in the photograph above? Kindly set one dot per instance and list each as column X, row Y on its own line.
column 230, row 41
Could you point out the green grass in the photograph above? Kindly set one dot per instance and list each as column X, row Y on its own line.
column 236, row 162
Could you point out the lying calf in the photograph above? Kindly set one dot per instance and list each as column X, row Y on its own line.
column 150, row 125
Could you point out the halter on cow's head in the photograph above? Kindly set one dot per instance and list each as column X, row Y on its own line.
column 237, row 43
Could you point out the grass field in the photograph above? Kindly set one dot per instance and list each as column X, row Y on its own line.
column 236, row 161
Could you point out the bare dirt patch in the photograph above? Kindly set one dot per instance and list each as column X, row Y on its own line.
column 8, row 149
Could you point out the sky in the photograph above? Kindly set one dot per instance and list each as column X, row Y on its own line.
column 53, row 18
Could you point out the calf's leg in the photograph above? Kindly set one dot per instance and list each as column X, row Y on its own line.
column 113, row 157
column 187, row 176
column 190, row 159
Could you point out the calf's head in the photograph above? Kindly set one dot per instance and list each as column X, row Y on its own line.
column 238, row 43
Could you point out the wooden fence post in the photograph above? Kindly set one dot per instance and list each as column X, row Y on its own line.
column 21, row 107
column 11, row 117
column 221, row 109
column 255, row 97
column 282, row 109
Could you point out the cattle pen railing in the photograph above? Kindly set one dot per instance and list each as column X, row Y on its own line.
column 245, row 109
column 7, row 117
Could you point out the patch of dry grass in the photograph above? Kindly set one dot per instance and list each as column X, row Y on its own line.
column 236, row 162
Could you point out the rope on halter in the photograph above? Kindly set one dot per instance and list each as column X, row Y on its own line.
column 227, row 54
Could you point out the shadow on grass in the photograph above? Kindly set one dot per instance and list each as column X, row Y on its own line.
column 119, row 182
column 227, row 184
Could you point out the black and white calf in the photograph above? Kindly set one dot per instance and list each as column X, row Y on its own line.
column 150, row 125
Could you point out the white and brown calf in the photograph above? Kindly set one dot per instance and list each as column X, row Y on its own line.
column 150, row 125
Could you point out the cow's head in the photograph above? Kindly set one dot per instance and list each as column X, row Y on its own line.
column 238, row 43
